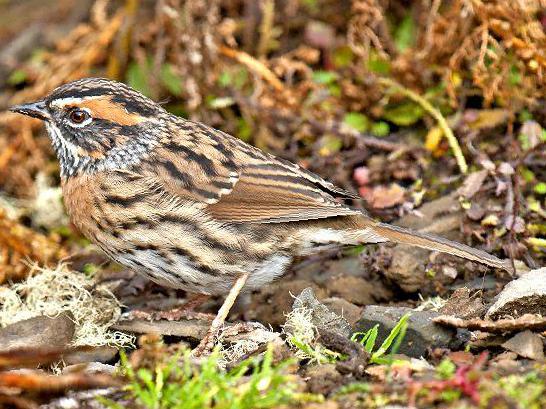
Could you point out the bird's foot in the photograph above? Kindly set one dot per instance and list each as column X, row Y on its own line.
column 207, row 344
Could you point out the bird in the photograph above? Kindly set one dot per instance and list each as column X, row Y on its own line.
column 191, row 207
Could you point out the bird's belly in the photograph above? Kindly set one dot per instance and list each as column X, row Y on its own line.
column 266, row 271
column 174, row 271
column 178, row 271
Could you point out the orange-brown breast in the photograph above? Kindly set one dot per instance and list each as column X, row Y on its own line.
column 80, row 196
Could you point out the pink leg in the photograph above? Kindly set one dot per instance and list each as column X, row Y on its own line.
column 207, row 343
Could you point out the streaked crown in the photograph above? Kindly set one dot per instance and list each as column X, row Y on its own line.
column 96, row 123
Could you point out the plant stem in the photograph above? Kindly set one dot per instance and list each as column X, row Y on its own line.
column 442, row 123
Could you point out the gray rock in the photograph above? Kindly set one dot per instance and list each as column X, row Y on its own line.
column 421, row 334
column 82, row 355
column 441, row 216
column 322, row 317
column 344, row 309
column 526, row 295
column 526, row 344
column 37, row 332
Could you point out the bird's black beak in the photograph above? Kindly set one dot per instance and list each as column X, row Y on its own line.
column 35, row 109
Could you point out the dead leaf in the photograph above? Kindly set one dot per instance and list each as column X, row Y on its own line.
column 527, row 321
column 381, row 197
column 485, row 118
column 19, row 243
column 472, row 184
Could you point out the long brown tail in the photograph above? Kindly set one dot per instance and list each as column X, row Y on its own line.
column 432, row 242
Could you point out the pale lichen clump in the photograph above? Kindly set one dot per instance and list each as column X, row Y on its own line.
column 234, row 351
column 299, row 327
column 302, row 334
column 51, row 292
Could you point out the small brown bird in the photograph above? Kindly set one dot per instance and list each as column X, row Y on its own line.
column 191, row 207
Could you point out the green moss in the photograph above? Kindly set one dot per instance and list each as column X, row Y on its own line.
column 528, row 390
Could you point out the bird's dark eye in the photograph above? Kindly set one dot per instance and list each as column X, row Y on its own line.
column 78, row 116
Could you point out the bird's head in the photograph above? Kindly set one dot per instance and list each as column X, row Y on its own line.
column 96, row 124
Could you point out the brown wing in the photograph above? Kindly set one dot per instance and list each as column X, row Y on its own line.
column 237, row 182
column 270, row 191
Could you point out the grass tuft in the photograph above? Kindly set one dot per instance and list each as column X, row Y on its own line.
column 392, row 342
column 181, row 383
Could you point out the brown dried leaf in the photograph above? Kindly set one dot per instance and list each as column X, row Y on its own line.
column 381, row 197
column 472, row 184
column 19, row 244
column 527, row 321
column 40, row 382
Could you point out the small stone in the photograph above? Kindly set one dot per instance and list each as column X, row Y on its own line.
column 527, row 345
column 421, row 334
column 506, row 169
column 462, row 305
column 450, row 272
column 321, row 316
column 323, row 379
column 526, row 295
column 407, row 267
column 476, row 212
column 37, row 332
column 344, row 308
column 356, row 290
column 100, row 354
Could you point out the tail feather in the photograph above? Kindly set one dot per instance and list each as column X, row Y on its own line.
column 431, row 242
